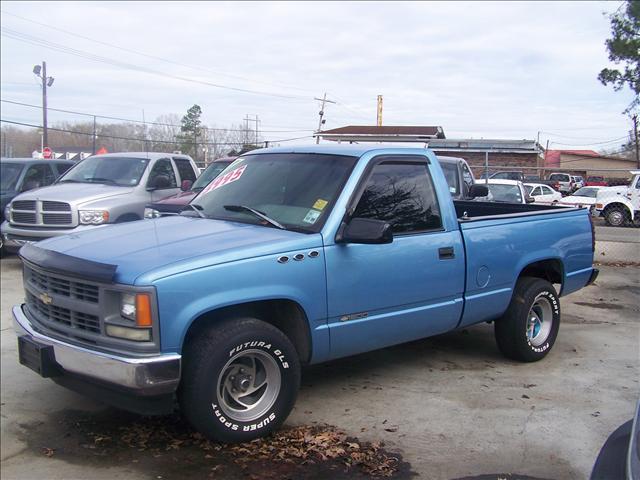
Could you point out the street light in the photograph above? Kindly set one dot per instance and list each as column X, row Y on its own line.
column 40, row 71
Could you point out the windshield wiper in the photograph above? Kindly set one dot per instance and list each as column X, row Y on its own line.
column 103, row 180
column 197, row 209
column 257, row 213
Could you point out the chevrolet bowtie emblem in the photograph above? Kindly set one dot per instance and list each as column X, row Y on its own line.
column 46, row 298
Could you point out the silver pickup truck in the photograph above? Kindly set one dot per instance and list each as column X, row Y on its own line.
column 99, row 190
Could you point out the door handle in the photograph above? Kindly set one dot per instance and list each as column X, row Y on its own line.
column 446, row 253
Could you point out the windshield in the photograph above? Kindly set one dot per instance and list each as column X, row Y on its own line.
column 297, row 190
column 586, row 192
column 560, row 177
column 595, row 179
column 121, row 171
column 9, row 175
column 505, row 193
column 451, row 174
column 211, row 172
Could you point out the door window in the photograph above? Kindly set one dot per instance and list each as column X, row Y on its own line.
column 535, row 192
column 546, row 191
column 185, row 170
column 38, row 176
column 63, row 167
column 162, row 175
column 401, row 194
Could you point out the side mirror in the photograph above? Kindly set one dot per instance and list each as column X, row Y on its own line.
column 365, row 230
column 529, row 199
column 186, row 185
column 477, row 190
column 159, row 182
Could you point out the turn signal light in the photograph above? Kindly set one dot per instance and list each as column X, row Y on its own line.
column 143, row 310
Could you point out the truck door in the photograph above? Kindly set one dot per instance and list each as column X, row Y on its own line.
column 162, row 179
column 380, row 295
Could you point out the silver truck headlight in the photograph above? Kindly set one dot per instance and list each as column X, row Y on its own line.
column 93, row 217
column 7, row 212
column 151, row 213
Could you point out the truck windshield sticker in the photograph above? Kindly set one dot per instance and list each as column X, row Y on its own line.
column 312, row 216
column 232, row 176
column 320, row 204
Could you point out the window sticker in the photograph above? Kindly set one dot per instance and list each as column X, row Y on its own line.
column 230, row 177
column 452, row 189
column 320, row 204
column 312, row 216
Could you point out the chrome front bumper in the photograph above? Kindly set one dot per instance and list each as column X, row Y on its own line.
column 15, row 236
column 148, row 376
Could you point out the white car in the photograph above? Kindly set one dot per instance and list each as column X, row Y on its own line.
column 507, row 191
column 583, row 197
column 542, row 193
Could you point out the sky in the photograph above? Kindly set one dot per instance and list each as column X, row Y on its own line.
column 508, row 70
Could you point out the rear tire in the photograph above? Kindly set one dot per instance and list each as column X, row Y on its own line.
column 529, row 327
column 240, row 380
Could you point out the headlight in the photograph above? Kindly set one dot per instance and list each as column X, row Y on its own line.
column 151, row 213
column 93, row 217
column 7, row 212
column 137, row 308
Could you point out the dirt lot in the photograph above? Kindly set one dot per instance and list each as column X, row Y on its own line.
column 449, row 407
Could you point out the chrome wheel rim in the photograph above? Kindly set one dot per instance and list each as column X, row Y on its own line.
column 248, row 385
column 615, row 218
column 539, row 321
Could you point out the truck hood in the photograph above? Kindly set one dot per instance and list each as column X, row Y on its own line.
column 76, row 193
column 149, row 249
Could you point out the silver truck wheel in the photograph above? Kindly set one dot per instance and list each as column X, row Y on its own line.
column 528, row 329
column 539, row 321
column 248, row 385
column 240, row 379
column 615, row 217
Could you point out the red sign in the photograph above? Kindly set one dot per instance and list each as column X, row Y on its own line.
column 232, row 176
column 47, row 153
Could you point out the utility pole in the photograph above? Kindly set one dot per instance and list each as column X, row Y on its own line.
column 247, row 120
column 635, row 134
column 379, row 117
column 94, row 134
column 41, row 72
column 321, row 113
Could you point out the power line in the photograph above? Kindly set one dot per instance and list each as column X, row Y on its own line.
column 22, row 104
column 589, row 144
column 154, row 57
column 24, row 124
column 33, row 40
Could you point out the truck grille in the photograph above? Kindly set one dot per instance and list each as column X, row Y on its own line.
column 45, row 212
column 24, row 205
column 55, row 206
column 63, row 305
column 61, row 286
column 63, row 316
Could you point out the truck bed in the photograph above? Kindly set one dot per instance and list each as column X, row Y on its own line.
column 500, row 239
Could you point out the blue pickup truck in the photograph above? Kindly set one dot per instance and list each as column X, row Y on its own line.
column 292, row 256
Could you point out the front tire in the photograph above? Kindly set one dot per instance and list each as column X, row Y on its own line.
column 529, row 327
column 616, row 216
column 240, row 380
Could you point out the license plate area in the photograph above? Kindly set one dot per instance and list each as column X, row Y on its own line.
column 38, row 357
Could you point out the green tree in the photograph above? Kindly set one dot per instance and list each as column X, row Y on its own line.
column 624, row 48
column 191, row 130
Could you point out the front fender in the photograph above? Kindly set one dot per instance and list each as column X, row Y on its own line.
column 186, row 296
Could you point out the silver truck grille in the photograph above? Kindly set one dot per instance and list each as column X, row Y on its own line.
column 41, row 212
column 63, row 305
